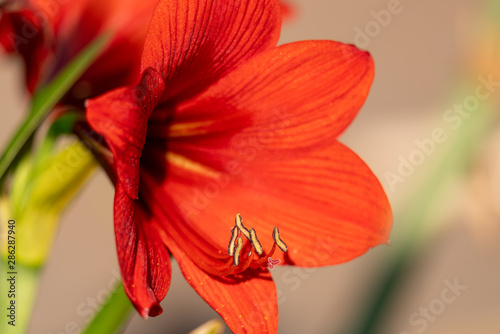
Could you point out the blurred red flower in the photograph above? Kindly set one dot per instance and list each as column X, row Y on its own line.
column 48, row 34
column 221, row 121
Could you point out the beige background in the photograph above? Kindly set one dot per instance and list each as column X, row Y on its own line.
column 417, row 56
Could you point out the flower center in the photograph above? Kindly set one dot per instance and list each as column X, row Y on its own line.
column 244, row 250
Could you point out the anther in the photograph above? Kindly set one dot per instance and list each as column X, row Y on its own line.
column 255, row 242
column 243, row 229
column 279, row 242
column 230, row 249
column 235, row 249
column 236, row 257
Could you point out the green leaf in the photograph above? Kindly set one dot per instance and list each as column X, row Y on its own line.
column 40, row 191
column 112, row 316
column 45, row 99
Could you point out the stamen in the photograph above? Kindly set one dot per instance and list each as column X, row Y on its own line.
column 279, row 242
column 236, row 257
column 242, row 253
column 243, row 229
column 230, row 249
column 255, row 242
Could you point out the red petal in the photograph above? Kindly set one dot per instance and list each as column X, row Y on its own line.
column 303, row 95
column 328, row 205
column 58, row 13
column 22, row 33
column 143, row 258
column 121, row 116
column 192, row 43
column 247, row 304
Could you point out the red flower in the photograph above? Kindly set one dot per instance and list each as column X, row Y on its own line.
column 48, row 34
column 223, row 121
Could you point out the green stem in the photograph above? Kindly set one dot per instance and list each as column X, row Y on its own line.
column 112, row 316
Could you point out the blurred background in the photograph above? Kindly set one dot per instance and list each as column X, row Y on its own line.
column 441, row 272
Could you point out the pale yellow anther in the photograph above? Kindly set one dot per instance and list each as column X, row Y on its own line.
column 243, row 229
column 237, row 251
column 255, row 242
column 230, row 248
column 279, row 242
column 235, row 246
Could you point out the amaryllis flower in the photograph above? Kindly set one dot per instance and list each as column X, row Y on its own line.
column 222, row 121
column 48, row 34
